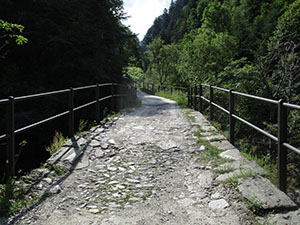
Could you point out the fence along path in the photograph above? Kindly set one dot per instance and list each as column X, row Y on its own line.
column 196, row 98
column 145, row 167
column 124, row 96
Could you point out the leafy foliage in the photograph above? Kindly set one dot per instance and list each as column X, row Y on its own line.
column 8, row 32
column 249, row 46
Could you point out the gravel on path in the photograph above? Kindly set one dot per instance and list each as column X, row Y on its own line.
column 143, row 170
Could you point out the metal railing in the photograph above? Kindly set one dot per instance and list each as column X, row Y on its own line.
column 126, row 94
column 281, row 137
column 196, row 98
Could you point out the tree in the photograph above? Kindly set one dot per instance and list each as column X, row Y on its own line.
column 203, row 54
column 9, row 32
column 281, row 66
column 216, row 17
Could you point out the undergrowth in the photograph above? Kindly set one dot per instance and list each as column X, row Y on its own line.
column 13, row 197
column 57, row 142
column 179, row 97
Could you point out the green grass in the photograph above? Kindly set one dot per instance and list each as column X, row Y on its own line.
column 255, row 206
column 13, row 198
column 212, row 153
column 57, row 142
column 179, row 97
column 234, row 180
column 187, row 113
column 224, row 170
column 264, row 162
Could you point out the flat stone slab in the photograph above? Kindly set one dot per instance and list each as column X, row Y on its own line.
column 75, row 142
column 231, row 154
column 94, row 143
column 240, row 167
column 290, row 218
column 65, row 157
column 222, row 145
column 263, row 191
column 212, row 138
column 218, row 204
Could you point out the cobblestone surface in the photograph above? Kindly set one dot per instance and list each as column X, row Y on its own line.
column 141, row 168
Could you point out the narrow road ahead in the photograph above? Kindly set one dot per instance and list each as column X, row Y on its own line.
column 142, row 169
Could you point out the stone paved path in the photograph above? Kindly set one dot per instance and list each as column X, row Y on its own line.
column 143, row 169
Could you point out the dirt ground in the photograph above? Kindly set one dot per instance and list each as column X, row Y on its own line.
column 142, row 169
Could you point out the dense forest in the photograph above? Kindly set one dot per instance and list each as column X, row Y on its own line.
column 70, row 43
column 49, row 45
column 251, row 46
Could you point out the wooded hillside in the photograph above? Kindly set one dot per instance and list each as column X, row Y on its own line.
column 250, row 46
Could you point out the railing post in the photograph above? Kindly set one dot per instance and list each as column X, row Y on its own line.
column 211, row 99
column 195, row 97
column 231, row 119
column 189, row 97
column 112, row 97
column 191, row 100
column 200, row 99
column 153, row 89
column 98, row 104
column 10, row 144
column 71, row 113
column 282, row 137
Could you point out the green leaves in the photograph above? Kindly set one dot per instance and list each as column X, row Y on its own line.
column 136, row 73
column 8, row 32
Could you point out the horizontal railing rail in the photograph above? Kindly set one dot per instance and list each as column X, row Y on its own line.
column 124, row 92
column 195, row 100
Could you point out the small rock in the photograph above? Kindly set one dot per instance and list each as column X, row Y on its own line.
column 119, row 186
column 104, row 146
column 116, row 195
column 39, row 186
column 113, row 169
column 202, row 148
column 101, row 182
column 94, row 143
column 132, row 167
column 94, row 211
column 99, row 167
column 133, row 181
column 42, row 172
column 218, row 204
column 112, row 141
column 217, row 195
column 99, row 153
column 83, row 205
column 113, row 182
column 134, row 199
column 54, row 190
column 92, row 207
column 121, row 169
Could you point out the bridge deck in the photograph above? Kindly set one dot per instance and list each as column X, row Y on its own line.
column 146, row 167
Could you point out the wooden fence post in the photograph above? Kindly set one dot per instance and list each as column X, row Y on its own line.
column 282, row 138
column 10, row 144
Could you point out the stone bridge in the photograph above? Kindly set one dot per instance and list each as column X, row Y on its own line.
column 157, row 164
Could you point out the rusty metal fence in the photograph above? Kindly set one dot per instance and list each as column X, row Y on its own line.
column 120, row 96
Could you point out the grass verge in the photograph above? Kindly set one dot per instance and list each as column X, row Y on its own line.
column 179, row 97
